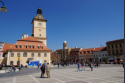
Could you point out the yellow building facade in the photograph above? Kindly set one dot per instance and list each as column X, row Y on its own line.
column 115, row 48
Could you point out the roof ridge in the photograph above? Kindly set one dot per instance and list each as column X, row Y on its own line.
column 31, row 38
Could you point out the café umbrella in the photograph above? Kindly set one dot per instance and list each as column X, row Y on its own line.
column 121, row 60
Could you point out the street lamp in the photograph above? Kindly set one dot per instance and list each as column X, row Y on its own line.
column 3, row 8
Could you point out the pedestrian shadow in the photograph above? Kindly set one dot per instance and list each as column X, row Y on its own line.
column 39, row 77
column 87, row 70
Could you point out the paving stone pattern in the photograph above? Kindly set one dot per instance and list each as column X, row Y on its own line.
column 70, row 75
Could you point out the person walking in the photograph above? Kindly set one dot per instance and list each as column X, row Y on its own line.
column 48, row 70
column 13, row 68
column 58, row 64
column 63, row 64
column 42, row 70
column 78, row 67
column 91, row 66
column 97, row 64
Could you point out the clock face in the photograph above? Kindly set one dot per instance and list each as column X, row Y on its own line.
column 40, row 24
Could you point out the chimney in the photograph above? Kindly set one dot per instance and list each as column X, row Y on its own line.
column 83, row 47
column 75, row 47
column 24, row 35
column 27, row 35
column 101, row 45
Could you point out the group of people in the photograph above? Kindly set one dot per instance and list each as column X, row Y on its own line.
column 81, row 65
column 90, row 64
column 44, row 68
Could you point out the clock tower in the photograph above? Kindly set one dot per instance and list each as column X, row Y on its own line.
column 39, row 27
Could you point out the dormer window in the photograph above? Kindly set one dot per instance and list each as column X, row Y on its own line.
column 41, row 47
column 16, row 46
column 38, row 47
column 33, row 46
column 29, row 46
column 20, row 46
column 26, row 46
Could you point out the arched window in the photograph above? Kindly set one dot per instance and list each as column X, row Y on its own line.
column 24, row 54
column 32, row 54
column 39, row 54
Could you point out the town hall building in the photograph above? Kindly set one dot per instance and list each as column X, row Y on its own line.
column 32, row 48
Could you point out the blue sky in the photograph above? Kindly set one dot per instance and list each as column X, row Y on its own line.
column 88, row 23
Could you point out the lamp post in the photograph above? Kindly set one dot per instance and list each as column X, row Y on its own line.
column 3, row 8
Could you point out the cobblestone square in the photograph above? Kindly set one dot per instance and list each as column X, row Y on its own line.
column 70, row 75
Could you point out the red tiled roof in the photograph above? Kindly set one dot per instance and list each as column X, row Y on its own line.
column 115, row 41
column 99, row 49
column 58, row 50
column 31, row 38
column 24, row 43
column 88, row 49
column 6, row 46
column 52, row 53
